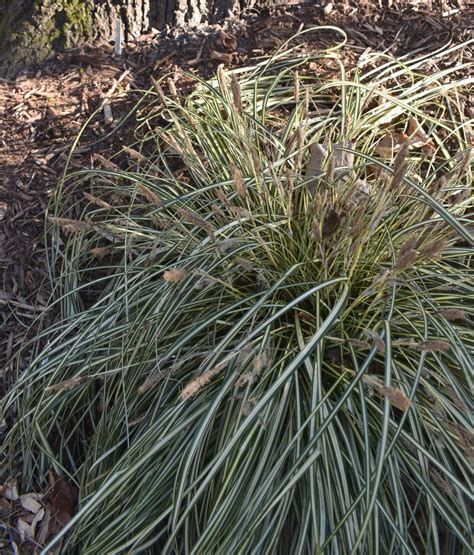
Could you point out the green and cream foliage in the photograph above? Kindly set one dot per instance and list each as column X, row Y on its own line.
column 254, row 357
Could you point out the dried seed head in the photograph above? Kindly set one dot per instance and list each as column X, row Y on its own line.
column 172, row 87
column 434, row 345
column 259, row 363
column 174, row 275
column 434, row 250
column 262, row 280
column 221, row 78
column 296, row 86
column 453, row 314
column 192, row 218
column 97, row 201
column 150, row 382
column 218, row 213
column 358, row 344
column 239, row 212
column 355, row 246
column 193, row 387
column 150, row 195
column 66, row 384
column 457, row 401
column 409, row 244
column 306, row 102
column 405, row 260
column 71, row 225
column 100, row 251
column 238, row 181
column 108, row 164
column 222, row 197
column 246, row 407
column 257, row 164
column 236, row 94
column 160, row 92
column 377, row 340
column 397, row 398
column 299, row 149
column 330, row 167
column 400, row 167
column 245, row 264
column 315, row 232
column 134, row 153
column 441, row 482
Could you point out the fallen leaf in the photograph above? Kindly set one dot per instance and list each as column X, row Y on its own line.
column 29, row 502
column 389, row 144
column 221, row 56
column 317, row 154
column 227, row 40
column 10, row 491
column 38, row 518
column 62, row 498
column 331, row 223
column 24, row 529
column 418, row 136
column 45, row 529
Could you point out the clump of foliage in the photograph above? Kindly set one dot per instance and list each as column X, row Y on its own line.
column 265, row 337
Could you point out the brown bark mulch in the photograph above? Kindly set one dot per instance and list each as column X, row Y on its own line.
column 42, row 111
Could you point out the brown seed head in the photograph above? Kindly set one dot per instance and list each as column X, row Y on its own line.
column 397, row 398
column 434, row 345
column 174, row 275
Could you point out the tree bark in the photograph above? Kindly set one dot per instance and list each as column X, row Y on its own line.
column 32, row 30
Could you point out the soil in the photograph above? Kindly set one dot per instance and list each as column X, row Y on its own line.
column 42, row 111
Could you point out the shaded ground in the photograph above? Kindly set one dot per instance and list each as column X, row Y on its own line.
column 42, row 112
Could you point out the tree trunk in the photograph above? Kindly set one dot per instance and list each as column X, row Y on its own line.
column 31, row 30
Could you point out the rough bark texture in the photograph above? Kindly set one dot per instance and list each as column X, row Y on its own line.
column 31, row 30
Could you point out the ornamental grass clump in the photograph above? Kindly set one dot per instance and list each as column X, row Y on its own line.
column 265, row 337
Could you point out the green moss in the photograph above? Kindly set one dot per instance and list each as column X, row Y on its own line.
column 49, row 26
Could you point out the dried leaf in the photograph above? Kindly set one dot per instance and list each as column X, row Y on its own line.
column 29, row 502
column 45, row 530
column 389, row 144
column 38, row 518
column 227, row 40
column 331, row 223
column 221, row 56
column 10, row 491
column 418, row 136
column 62, row 498
column 24, row 529
column 317, row 155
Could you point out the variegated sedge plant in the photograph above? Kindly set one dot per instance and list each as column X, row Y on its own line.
column 266, row 311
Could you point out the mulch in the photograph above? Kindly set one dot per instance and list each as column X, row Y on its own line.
column 42, row 111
